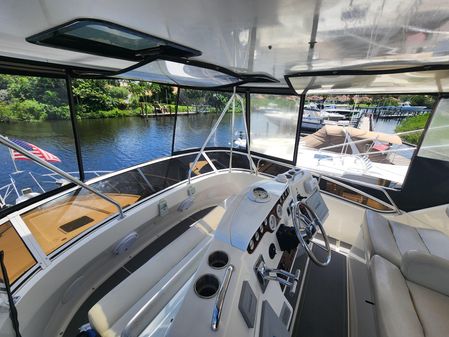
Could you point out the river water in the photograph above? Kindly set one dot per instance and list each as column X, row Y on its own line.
column 112, row 144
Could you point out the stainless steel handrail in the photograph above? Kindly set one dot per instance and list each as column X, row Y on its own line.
column 214, row 128
column 218, row 307
column 248, row 145
column 5, row 141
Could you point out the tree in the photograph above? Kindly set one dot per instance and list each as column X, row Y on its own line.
column 421, row 100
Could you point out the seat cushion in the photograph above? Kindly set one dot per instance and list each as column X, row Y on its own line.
column 391, row 239
column 379, row 238
column 395, row 312
column 427, row 270
column 112, row 313
column 432, row 308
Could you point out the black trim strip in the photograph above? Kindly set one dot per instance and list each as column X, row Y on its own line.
column 302, row 102
column 72, row 108
column 174, row 123
column 12, row 307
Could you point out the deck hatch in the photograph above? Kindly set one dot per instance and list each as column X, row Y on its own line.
column 108, row 39
column 75, row 224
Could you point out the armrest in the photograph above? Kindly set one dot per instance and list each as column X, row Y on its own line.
column 427, row 270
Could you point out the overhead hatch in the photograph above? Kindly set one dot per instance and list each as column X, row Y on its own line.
column 108, row 39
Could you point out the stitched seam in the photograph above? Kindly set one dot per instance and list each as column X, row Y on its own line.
column 424, row 242
column 394, row 238
column 414, row 307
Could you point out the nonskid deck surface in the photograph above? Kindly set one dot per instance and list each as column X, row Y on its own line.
column 323, row 307
column 131, row 266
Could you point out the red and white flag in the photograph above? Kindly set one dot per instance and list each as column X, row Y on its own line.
column 37, row 151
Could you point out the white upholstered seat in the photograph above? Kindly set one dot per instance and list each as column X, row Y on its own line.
column 391, row 239
column 412, row 301
column 152, row 286
column 409, row 271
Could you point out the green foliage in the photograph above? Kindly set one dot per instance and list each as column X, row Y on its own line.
column 410, row 124
column 6, row 114
column 420, row 100
column 29, row 110
column 113, row 113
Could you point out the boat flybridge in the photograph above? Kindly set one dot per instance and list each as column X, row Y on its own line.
column 227, row 241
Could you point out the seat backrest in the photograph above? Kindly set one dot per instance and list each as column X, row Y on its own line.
column 428, row 270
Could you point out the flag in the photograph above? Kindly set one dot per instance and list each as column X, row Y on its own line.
column 37, row 151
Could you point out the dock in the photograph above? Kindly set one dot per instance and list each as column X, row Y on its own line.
column 167, row 114
column 396, row 112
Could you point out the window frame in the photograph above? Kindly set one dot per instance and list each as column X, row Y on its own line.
column 29, row 243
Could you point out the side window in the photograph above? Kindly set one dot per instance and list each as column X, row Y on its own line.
column 274, row 121
column 55, row 223
column 435, row 144
column 198, row 111
column 370, row 139
column 18, row 259
column 123, row 123
column 61, row 220
column 34, row 114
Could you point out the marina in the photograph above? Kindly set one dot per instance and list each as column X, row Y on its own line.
column 208, row 169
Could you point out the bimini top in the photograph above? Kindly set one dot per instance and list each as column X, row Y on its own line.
column 274, row 38
column 428, row 79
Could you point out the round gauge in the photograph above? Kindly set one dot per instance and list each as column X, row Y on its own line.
column 272, row 222
column 251, row 245
column 256, row 236
column 279, row 211
column 262, row 226
column 259, row 194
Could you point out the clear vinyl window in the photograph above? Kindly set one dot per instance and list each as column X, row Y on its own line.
column 198, row 112
column 364, row 138
column 274, row 120
column 435, row 144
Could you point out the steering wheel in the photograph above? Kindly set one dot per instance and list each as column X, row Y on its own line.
column 306, row 224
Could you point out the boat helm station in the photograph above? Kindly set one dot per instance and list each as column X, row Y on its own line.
column 268, row 208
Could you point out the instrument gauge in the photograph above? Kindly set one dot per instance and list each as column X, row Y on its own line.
column 262, row 226
column 259, row 194
column 272, row 222
column 256, row 236
column 279, row 211
column 251, row 245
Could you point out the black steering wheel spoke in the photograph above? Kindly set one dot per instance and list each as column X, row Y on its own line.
column 307, row 224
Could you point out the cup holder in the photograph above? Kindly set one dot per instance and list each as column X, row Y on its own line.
column 207, row 286
column 218, row 259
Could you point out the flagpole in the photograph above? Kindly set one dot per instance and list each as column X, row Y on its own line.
column 12, row 158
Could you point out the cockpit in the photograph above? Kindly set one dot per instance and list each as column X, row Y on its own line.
column 188, row 168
